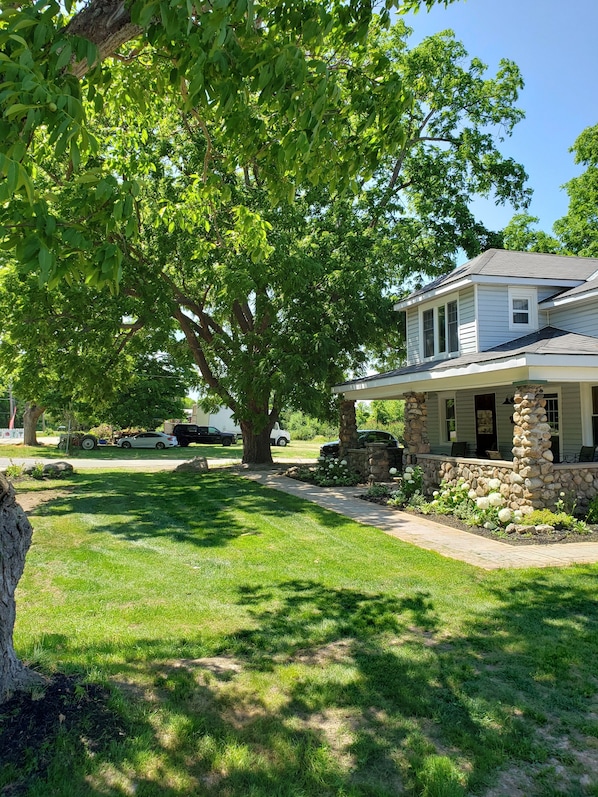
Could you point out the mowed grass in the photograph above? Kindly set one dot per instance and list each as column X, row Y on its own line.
column 255, row 644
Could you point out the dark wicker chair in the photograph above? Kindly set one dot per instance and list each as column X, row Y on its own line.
column 587, row 454
column 459, row 450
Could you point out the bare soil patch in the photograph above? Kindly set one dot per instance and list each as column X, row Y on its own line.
column 31, row 723
column 32, row 499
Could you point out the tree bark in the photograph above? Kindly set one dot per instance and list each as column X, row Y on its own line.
column 256, row 446
column 106, row 23
column 32, row 414
column 15, row 539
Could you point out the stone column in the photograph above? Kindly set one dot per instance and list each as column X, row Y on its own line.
column 416, row 426
column 533, row 477
column 378, row 462
column 348, row 428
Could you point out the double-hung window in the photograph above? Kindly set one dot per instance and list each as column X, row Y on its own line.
column 523, row 311
column 440, row 330
column 428, row 329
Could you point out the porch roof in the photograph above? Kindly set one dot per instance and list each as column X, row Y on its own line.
column 549, row 355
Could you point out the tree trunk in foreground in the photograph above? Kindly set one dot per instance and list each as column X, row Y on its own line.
column 32, row 414
column 256, row 446
column 15, row 539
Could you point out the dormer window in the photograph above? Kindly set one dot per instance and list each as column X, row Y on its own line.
column 523, row 310
column 440, row 330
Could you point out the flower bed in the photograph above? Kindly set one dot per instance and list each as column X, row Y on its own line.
column 326, row 473
column 460, row 506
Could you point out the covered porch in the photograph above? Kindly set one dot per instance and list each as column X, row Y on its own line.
column 529, row 424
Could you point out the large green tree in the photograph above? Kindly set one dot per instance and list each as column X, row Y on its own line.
column 268, row 76
column 578, row 229
column 278, row 301
column 576, row 233
column 76, row 348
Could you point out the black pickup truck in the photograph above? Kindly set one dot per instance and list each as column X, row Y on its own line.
column 187, row 433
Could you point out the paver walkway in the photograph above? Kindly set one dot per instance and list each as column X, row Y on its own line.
column 453, row 543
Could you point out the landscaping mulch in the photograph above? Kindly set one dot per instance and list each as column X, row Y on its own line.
column 561, row 535
column 30, row 725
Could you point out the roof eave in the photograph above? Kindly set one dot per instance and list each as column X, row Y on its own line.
column 498, row 371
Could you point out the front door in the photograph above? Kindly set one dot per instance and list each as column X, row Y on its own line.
column 485, row 424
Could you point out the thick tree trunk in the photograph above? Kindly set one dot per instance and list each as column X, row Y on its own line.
column 15, row 539
column 256, row 446
column 32, row 414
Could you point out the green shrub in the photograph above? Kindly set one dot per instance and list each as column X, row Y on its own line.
column 378, row 491
column 592, row 515
column 410, row 485
column 330, row 473
column 38, row 470
column 14, row 471
column 560, row 520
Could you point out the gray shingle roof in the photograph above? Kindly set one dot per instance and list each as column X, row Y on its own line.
column 533, row 265
column 547, row 341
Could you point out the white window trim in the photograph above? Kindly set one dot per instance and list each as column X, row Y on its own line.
column 439, row 355
column 442, row 399
column 557, row 392
column 587, row 433
column 531, row 295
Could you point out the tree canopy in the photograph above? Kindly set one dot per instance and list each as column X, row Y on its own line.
column 183, row 202
column 576, row 233
column 78, row 349
column 268, row 76
column 278, row 300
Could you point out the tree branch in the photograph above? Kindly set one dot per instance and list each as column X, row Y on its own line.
column 105, row 23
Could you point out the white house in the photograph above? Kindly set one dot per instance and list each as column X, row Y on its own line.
column 502, row 374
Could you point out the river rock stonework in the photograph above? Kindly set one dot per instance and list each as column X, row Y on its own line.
column 416, row 426
column 532, row 455
column 348, row 428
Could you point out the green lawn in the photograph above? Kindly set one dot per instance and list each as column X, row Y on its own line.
column 254, row 645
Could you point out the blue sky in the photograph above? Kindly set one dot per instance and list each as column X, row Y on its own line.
column 555, row 46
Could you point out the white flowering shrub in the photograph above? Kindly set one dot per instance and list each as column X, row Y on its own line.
column 409, row 490
column 463, row 501
column 334, row 472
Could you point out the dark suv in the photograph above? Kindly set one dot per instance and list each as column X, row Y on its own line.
column 187, row 433
column 363, row 436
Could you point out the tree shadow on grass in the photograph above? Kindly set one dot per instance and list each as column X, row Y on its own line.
column 207, row 510
column 344, row 692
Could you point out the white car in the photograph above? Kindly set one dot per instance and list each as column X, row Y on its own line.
column 148, row 440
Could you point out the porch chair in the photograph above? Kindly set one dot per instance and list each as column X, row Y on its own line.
column 459, row 450
column 586, row 454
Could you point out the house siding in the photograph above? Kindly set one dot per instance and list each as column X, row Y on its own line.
column 432, row 403
column 569, row 418
column 493, row 312
column 582, row 319
column 412, row 327
column 468, row 339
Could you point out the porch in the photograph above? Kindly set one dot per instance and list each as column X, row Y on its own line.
column 529, row 436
